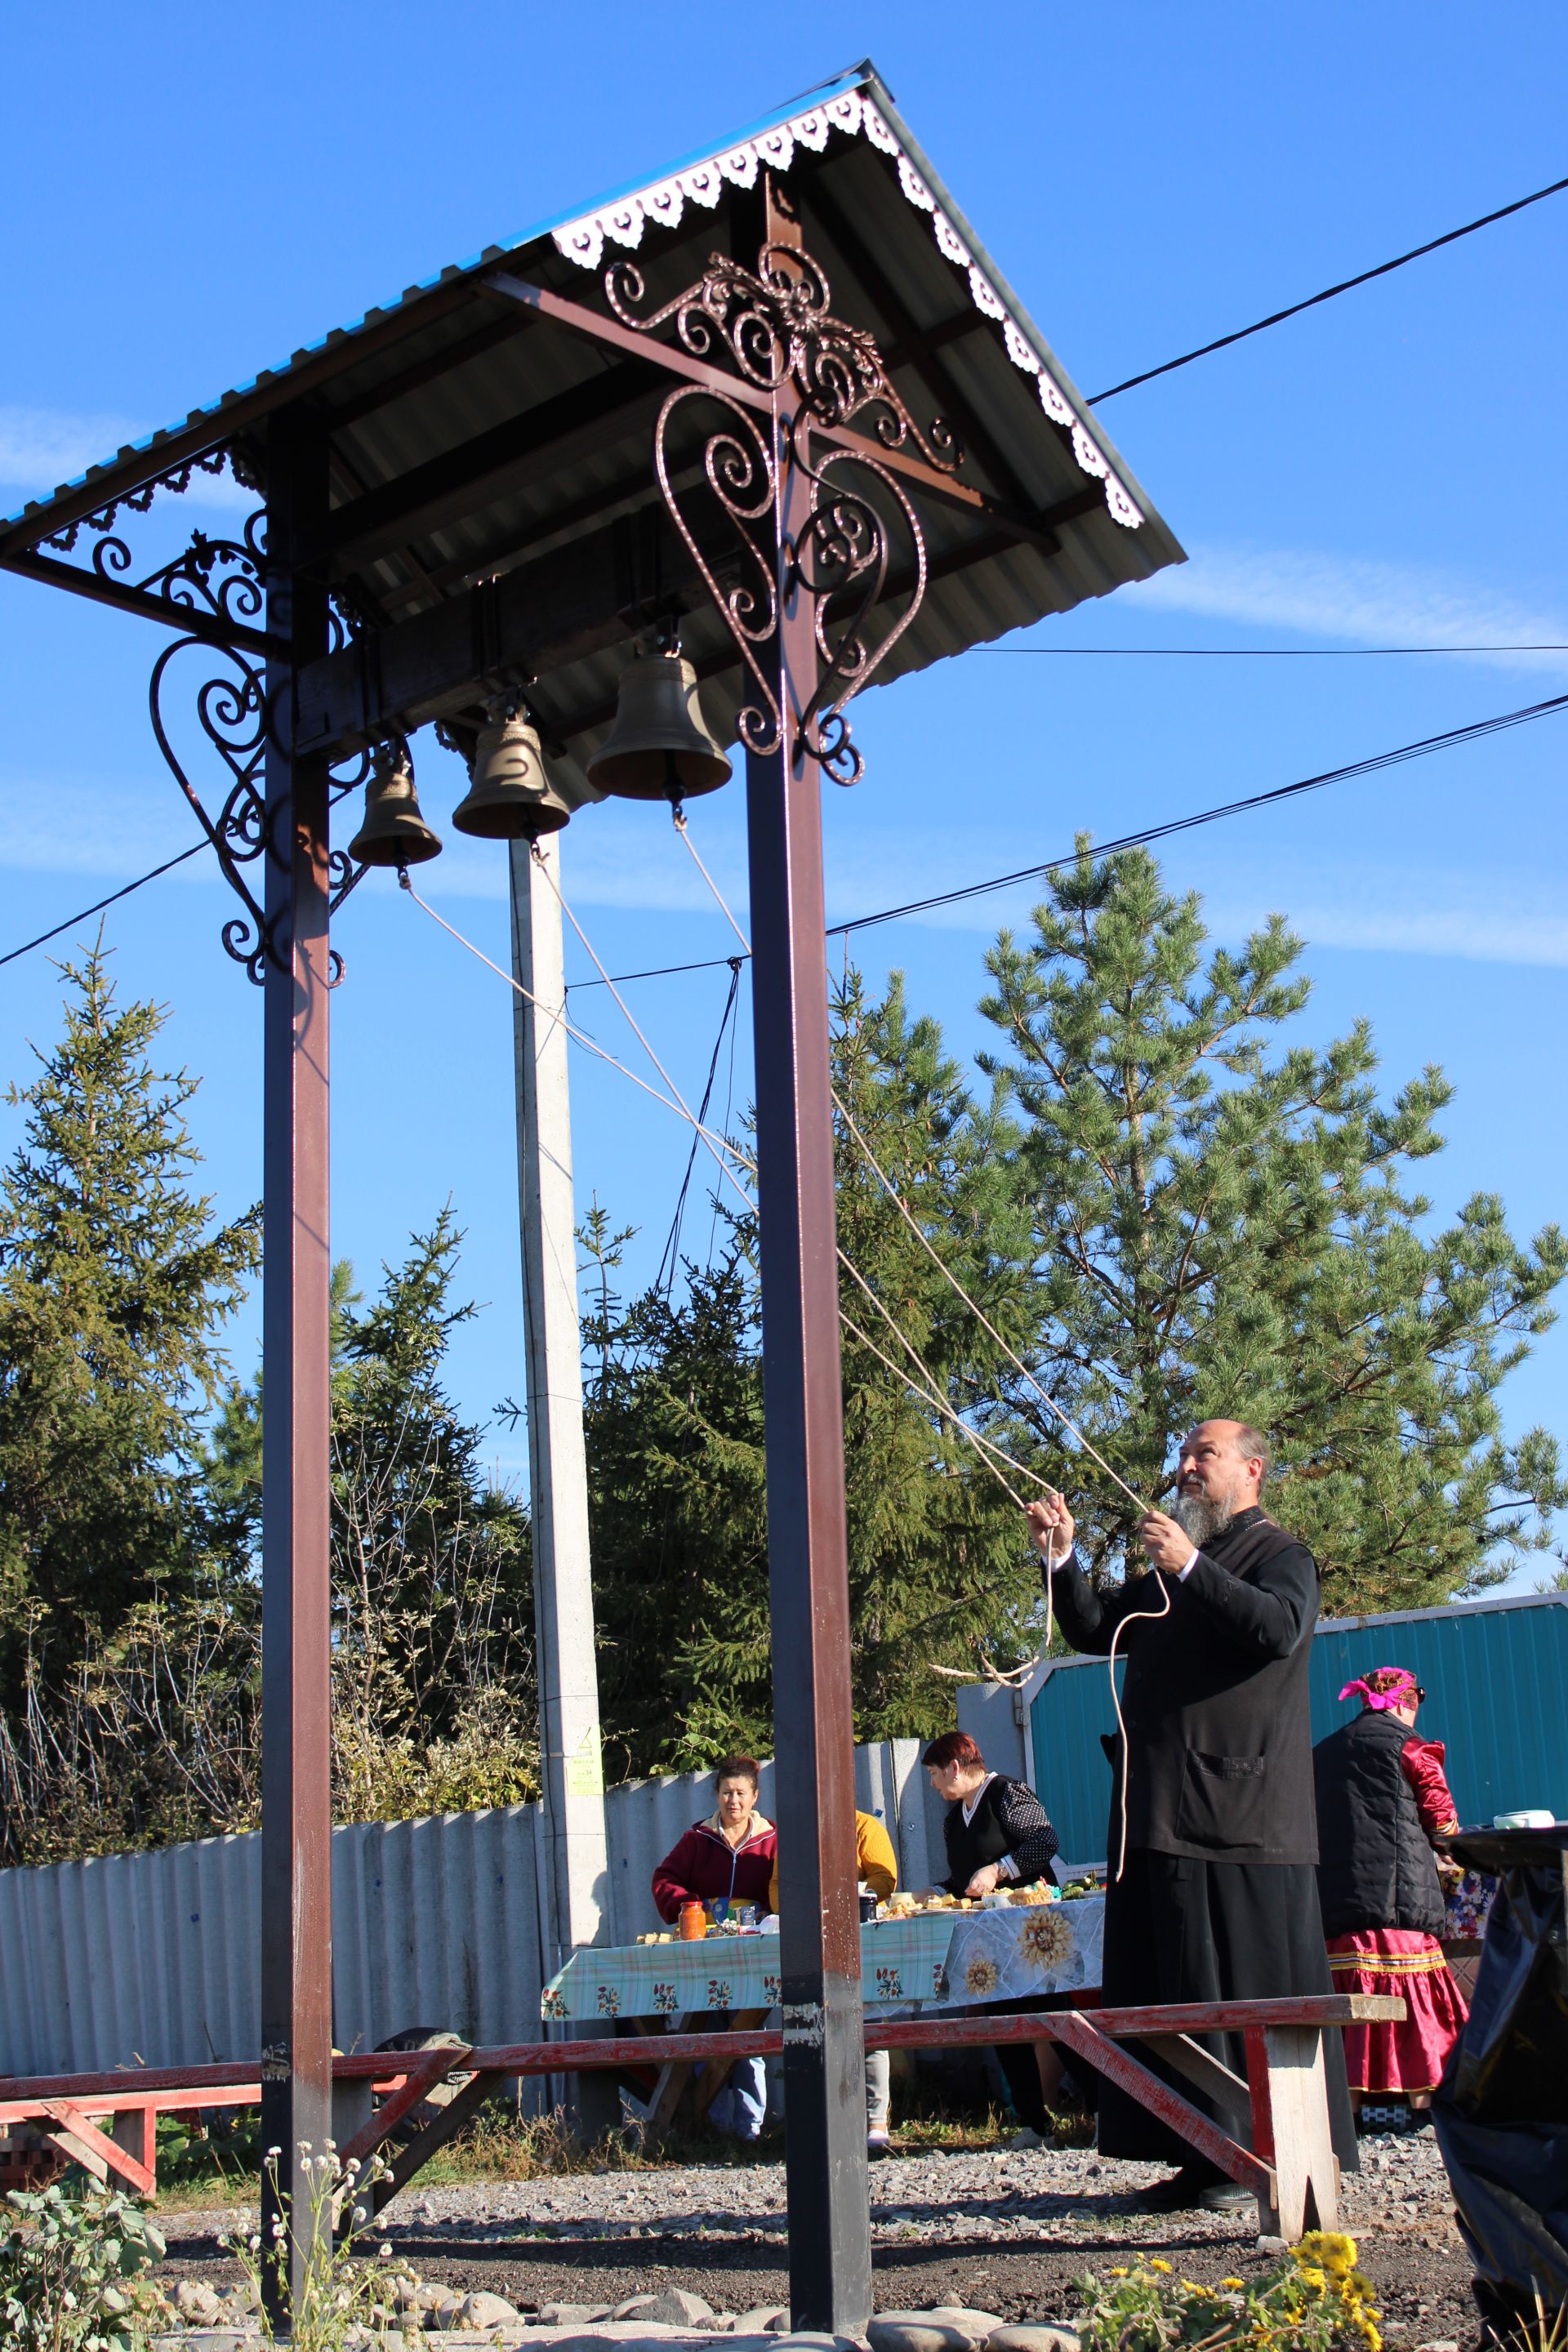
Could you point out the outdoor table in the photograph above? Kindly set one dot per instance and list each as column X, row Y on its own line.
column 956, row 1957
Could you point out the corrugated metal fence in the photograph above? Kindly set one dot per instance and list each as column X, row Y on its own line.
column 154, row 1956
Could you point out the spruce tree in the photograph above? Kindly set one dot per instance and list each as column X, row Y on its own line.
column 1223, row 1223
column 115, row 1285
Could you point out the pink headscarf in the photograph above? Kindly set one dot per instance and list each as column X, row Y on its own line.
column 1384, row 1688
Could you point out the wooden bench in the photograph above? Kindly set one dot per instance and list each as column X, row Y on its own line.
column 1274, row 2138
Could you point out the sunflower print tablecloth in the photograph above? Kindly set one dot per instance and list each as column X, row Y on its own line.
column 954, row 1959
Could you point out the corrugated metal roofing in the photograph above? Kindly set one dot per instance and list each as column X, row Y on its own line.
column 1495, row 1673
column 436, row 402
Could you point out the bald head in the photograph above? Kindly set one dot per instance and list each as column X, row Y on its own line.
column 1222, row 1468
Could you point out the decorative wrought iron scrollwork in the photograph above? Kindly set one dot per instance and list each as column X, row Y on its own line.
column 840, row 559
column 219, row 578
column 232, row 712
column 777, row 325
column 774, row 327
column 738, row 467
column 178, row 479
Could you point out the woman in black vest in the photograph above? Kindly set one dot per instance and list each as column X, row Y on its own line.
column 995, row 1830
column 996, row 1834
column 1383, row 1800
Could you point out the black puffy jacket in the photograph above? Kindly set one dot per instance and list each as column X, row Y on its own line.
column 1375, row 1867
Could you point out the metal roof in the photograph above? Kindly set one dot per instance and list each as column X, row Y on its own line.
column 473, row 439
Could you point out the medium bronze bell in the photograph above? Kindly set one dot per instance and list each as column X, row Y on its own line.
column 660, row 748
column 393, row 831
column 511, row 797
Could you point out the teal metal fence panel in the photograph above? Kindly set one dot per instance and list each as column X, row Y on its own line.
column 1495, row 1678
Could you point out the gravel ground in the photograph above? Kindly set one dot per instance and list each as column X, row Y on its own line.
column 1004, row 2232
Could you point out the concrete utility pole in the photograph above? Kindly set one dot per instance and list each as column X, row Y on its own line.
column 572, row 1860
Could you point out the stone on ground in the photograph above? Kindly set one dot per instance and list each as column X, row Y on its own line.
column 672, row 2307
column 765, row 2319
column 930, row 2331
column 1026, row 2338
column 486, row 2310
column 194, row 2299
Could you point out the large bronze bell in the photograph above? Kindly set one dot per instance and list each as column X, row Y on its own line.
column 510, row 798
column 393, row 831
column 660, row 748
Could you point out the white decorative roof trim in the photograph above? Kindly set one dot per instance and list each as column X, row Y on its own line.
column 583, row 241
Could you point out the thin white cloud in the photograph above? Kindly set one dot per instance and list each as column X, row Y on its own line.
column 1353, row 600
column 43, row 448
column 67, row 824
column 1436, row 911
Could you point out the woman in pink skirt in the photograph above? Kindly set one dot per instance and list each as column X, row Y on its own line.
column 1383, row 1801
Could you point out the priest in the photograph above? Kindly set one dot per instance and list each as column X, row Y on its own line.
column 1211, row 1889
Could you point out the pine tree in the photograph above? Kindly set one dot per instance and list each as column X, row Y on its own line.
column 1218, row 1228
column 115, row 1284
column 937, row 1572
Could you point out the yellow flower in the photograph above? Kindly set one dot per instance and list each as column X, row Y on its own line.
column 1119, row 2272
column 1330, row 2249
column 1236, row 2285
column 1313, row 2280
column 1156, row 2264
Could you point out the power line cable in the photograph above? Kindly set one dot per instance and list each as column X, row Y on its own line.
column 918, row 1230
column 669, row 1260
column 1363, row 277
column 926, row 1384
column 1148, row 376
column 1443, row 742
column 124, row 892
column 1147, row 834
column 97, row 908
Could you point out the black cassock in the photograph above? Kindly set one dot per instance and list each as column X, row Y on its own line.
column 1216, row 1897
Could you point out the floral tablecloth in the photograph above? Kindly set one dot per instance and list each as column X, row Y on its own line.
column 954, row 1959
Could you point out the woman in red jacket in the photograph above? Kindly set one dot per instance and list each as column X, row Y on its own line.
column 729, row 1855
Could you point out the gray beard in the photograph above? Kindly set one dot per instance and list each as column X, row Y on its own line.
column 1203, row 1520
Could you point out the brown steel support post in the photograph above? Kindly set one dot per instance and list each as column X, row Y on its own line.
column 819, row 1934
column 296, row 1786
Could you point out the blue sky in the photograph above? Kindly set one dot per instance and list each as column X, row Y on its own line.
column 188, row 196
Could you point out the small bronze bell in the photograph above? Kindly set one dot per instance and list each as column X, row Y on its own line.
column 511, row 797
column 393, row 831
column 658, row 749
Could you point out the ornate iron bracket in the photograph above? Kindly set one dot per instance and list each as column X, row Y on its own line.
column 774, row 327
column 224, row 577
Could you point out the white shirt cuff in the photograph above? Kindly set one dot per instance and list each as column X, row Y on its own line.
column 1182, row 1574
column 1007, row 1867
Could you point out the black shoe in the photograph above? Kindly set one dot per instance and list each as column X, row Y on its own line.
column 1226, row 2196
column 1189, row 2190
